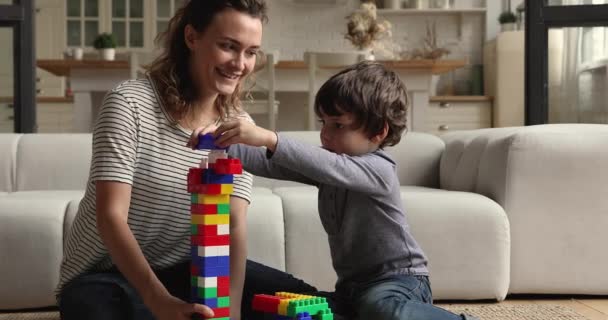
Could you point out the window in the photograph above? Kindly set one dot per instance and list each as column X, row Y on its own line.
column 164, row 11
column 134, row 23
column 128, row 23
column 82, row 22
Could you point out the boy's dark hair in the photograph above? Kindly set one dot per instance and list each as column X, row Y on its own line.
column 373, row 94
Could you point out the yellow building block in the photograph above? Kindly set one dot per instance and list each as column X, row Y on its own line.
column 287, row 297
column 210, row 219
column 227, row 189
column 213, row 198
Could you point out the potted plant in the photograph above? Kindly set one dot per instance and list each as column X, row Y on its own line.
column 106, row 44
column 507, row 21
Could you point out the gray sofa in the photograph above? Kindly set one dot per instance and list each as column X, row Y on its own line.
column 550, row 180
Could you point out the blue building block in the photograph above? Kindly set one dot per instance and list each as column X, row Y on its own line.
column 211, row 302
column 215, row 261
column 213, row 271
column 303, row 316
column 210, row 177
column 206, row 141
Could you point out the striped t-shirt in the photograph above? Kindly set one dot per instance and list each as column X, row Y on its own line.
column 135, row 142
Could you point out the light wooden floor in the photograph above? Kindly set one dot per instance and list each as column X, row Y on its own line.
column 592, row 308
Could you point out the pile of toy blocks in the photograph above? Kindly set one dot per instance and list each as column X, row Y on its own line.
column 291, row 306
column 210, row 186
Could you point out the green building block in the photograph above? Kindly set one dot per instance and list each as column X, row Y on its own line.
column 193, row 229
column 194, row 198
column 223, row 208
column 324, row 315
column 223, row 302
column 207, row 293
column 312, row 306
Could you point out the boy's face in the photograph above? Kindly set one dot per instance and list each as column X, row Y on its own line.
column 338, row 135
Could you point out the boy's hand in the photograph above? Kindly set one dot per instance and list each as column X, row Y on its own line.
column 237, row 131
column 193, row 141
column 246, row 132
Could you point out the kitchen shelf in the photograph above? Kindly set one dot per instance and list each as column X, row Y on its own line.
column 430, row 11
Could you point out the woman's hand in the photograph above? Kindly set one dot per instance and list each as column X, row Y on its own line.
column 168, row 307
column 237, row 131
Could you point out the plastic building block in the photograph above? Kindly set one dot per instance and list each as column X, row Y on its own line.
column 214, row 155
column 210, row 187
column 214, row 199
column 210, row 177
column 206, row 141
column 285, row 305
column 303, row 316
column 210, row 219
column 228, row 166
column 266, row 303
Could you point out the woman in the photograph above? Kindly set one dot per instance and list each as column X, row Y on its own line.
column 126, row 256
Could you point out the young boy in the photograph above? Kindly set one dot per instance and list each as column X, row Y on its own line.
column 382, row 271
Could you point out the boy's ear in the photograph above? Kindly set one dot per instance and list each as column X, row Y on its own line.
column 382, row 135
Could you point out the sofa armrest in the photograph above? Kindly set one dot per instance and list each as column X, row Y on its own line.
column 551, row 182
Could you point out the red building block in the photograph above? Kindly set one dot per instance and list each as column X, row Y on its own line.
column 223, row 282
column 221, row 312
column 223, row 291
column 228, row 166
column 266, row 303
column 223, row 240
column 203, row 208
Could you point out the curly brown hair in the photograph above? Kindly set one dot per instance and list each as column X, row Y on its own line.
column 373, row 94
column 170, row 70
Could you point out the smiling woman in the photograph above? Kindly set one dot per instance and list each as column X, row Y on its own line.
column 127, row 254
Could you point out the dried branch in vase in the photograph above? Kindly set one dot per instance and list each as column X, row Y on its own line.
column 430, row 49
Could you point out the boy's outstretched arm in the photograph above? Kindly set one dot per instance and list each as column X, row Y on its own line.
column 367, row 173
column 253, row 158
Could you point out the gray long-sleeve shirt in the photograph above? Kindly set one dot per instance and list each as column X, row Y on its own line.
column 359, row 204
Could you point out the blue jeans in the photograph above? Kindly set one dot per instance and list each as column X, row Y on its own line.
column 390, row 298
column 108, row 295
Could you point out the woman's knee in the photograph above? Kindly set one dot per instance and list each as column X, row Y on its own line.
column 97, row 301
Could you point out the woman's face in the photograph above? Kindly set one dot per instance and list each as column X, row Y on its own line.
column 224, row 53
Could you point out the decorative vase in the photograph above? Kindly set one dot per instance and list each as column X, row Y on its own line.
column 370, row 55
column 392, row 4
column 108, row 54
column 77, row 53
column 507, row 27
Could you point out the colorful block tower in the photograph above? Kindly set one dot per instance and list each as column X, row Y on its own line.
column 293, row 306
column 210, row 187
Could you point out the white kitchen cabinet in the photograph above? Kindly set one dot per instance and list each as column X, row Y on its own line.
column 446, row 114
column 55, row 117
column 50, row 43
column 6, row 117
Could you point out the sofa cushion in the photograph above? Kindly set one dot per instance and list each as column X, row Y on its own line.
column 551, row 181
column 467, row 241
column 266, row 229
column 53, row 162
column 465, row 236
column 31, row 233
column 8, row 145
column 306, row 247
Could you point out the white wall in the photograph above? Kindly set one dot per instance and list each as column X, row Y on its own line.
column 295, row 28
